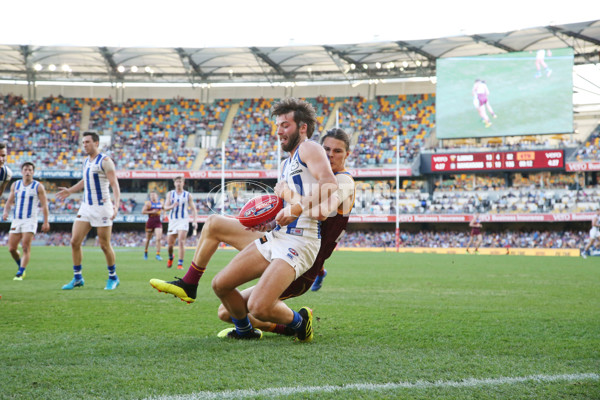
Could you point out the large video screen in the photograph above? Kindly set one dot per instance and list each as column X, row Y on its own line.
column 523, row 93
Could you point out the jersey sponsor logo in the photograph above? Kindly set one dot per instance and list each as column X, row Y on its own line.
column 263, row 240
column 293, row 251
column 296, row 231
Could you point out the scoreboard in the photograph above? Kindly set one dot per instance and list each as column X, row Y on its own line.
column 498, row 161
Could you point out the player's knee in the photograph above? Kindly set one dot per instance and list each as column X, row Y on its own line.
column 218, row 286
column 223, row 314
column 259, row 309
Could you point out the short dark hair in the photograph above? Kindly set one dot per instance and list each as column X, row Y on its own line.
column 2, row 145
column 94, row 136
column 26, row 163
column 304, row 112
column 178, row 177
column 339, row 134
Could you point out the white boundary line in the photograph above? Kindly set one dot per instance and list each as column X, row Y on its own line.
column 470, row 382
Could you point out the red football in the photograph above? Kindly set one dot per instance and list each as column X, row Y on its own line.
column 260, row 209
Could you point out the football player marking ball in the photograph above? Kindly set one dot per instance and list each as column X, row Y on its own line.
column 259, row 210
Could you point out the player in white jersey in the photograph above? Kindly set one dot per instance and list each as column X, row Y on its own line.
column 594, row 234
column 26, row 194
column 5, row 172
column 97, row 209
column 178, row 202
column 282, row 255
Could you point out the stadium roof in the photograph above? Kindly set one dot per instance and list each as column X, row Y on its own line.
column 382, row 60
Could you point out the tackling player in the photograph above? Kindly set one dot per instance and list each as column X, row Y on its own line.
column 225, row 229
column 27, row 194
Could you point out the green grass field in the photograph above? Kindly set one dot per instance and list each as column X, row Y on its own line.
column 386, row 326
column 524, row 104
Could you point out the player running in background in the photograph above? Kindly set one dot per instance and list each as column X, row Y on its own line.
column 5, row 172
column 229, row 230
column 480, row 94
column 540, row 63
column 97, row 209
column 153, row 208
column 476, row 235
column 27, row 194
column 594, row 234
column 178, row 202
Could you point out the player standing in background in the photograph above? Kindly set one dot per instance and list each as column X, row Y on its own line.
column 480, row 94
column 5, row 172
column 476, row 235
column 26, row 194
column 540, row 63
column 97, row 210
column 177, row 204
column 594, row 234
column 288, row 251
column 153, row 208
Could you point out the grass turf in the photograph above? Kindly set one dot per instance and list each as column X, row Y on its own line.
column 380, row 318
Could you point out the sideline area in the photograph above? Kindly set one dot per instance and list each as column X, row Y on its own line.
column 482, row 251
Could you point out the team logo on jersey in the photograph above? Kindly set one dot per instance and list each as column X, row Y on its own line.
column 294, row 252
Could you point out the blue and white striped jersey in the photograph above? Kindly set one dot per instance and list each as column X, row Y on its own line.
column 5, row 174
column 26, row 200
column 296, row 174
column 95, row 181
column 180, row 211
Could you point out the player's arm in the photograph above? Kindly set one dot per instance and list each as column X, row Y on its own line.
column 146, row 209
column 45, row 210
column 192, row 205
column 9, row 202
column 168, row 205
column 109, row 168
column 65, row 192
column 323, row 198
column 3, row 186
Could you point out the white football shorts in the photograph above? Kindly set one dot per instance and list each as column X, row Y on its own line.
column 96, row 215
column 176, row 225
column 298, row 251
column 24, row 226
column 594, row 232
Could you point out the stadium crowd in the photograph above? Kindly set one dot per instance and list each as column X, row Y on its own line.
column 155, row 134
column 373, row 238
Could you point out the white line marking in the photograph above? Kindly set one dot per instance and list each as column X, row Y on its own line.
column 286, row 391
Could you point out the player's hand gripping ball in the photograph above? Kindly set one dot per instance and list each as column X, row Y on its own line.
column 260, row 210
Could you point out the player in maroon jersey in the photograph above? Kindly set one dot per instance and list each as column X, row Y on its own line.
column 224, row 229
column 476, row 235
column 153, row 209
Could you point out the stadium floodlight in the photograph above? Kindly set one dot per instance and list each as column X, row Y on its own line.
column 38, row 67
column 121, row 68
column 352, row 67
column 365, row 66
column 66, row 68
column 378, row 65
column 405, row 64
column 148, row 69
column 418, row 63
column 52, row 67
column 134, row 68
column 391, row 65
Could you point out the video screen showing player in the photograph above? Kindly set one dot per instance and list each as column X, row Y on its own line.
column 521, row 93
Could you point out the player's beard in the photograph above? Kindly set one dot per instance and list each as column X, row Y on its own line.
column 292, row 141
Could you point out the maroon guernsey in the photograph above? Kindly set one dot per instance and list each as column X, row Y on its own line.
column 332, row 230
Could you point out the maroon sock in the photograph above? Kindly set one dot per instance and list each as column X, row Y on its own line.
column 283, row 330
column 193, row 274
